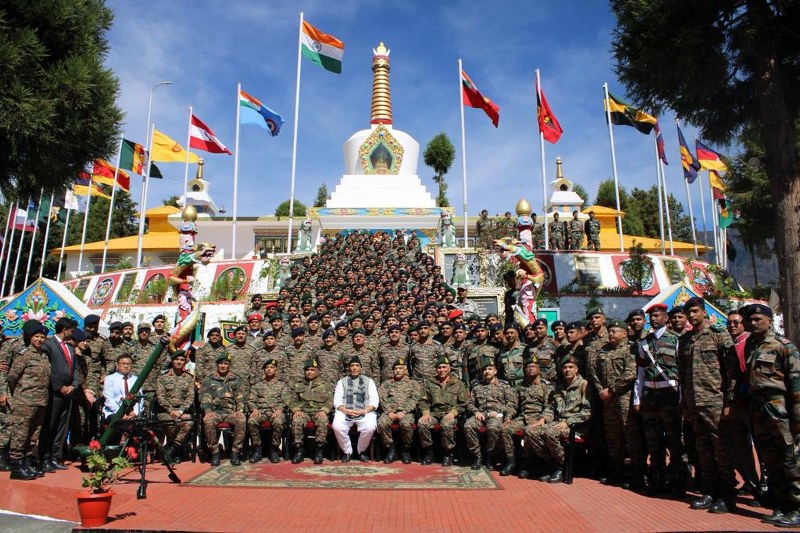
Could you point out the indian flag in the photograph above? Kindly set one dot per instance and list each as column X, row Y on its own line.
column 323, row 49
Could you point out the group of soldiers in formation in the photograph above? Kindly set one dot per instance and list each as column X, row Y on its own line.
column 562, row 234
column 367, row 333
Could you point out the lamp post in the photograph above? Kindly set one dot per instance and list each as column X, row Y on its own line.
column 146, row 174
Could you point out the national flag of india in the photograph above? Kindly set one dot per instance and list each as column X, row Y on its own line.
column 323, row 49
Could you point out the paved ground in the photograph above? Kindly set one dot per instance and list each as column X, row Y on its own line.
column 15, row 523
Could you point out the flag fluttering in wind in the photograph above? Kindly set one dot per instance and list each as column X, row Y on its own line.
column 85, row 186
column 688, row 161
column 321, row 48
column 624, row 114
column 168, row 150
column 725, row 214
column 20, row 217
column 709, row 159
column 474, row 98
column 104, row 172
column 252, row 111
column 662, row 152
column 133, row 157
column 548, row 124
column 202, row 138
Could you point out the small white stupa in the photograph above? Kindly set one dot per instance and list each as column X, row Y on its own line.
column 563, row 200
column 198, row 194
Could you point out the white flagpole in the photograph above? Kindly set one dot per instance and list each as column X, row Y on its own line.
column 463, row 147
column 63, row 245
column 19, row 250
column 663, row 177
column 85, row 222
column 5, row 232
column 614, row 168
column 33, row 239
column 143, row 202
column 703, row 209
column 235, row 172
column 11, row 221
column 714, row 221
column 544, row 171
column 111, row 204
column 46, row 235
column 689, row 201
column 660, row 198
column 294, row 136
column 186, row 169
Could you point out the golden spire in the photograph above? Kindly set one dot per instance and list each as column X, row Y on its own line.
column 200, row 164
column 381, row 111
column 559, row 171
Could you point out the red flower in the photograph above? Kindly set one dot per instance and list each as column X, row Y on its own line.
column 131, row 452
column 94, row 445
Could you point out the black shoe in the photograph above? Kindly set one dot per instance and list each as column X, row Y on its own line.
column 346, row 458
column 58, row 466
column 5, row 465
column 363, row 457
column 776, row 515
column 509, row 467
column 556, row 476
column 215, row 460
column 274, row 456
column 235, row 459
column 405, row 456
column 545, row 477
column 477, row 463
column 523, row 474
column 47, row 468
column 19, row 472
column 30, row 464
column 256, row 455
column 791, row 519
column 703, row 502
column 720, row 507
column 299, row 455
column 427, row 458
column 447, row 460
column 391, row 456
column 318, row 456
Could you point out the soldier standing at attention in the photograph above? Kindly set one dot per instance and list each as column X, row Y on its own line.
column 175, row 396
column 509, row 360
column 537, row 233
column 424, row 354
column 575, row 232
column 390, row 352
column 330, row 366
column 240, row 358
column 222, row 400
column 443, row 398
column 480, row 348
column 268, row 400
column 312, row 400
column 10, row 348
column 592, row 229
column 556, row 229
column 543, row 347
column 705, row 355
column 773, row 379
column 399, row 396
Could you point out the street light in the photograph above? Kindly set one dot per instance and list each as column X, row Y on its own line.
column 146, row 174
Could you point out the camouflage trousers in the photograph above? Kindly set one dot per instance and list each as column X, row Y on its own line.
column 661, row 416
column 775, row 445
column 26, row 424
column 714, row 455
column 510, row 433
column 556, row 242
column 210, row 421
column 623, row 429
column 176, row 433
column 593, row 243
column 406, row 428
column 278, row 424
column 494, row 432
column 545, row 441
column 575, row 242
column 5, row 427
column 447, row 428
column 299, row 421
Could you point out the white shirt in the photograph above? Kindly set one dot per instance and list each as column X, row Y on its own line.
column 372, row 393
column 114, row 393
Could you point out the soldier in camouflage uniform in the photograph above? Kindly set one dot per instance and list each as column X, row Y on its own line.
column 254, row 331
column 330, row 365
column 509, row 360
column 269, row 350
column 369, row 360
column 424, row 354
column 612, row 373
column 399, row 396
column 570, row 407
column 705, row 357
column 543, row 348
column 282, row 337
column 10, row 348
column 772, row 375
column 269, row 398
column 159, row 328
column 119, row 346
column 100, row 351
column 575, row 232
column 537, row 233
column 343, row 341
column 206, row 356
column 222, row 400
column 141, row 351
column 490, row 402
column 175, row 397
column 29, row 381
column 573, row 345
column 388, row 353
column 314, row 334
column 457, row 350
column 557, row 230
column 480, row 348
column 442, row 399
column 372, row 339
column 592, row 229
column 240, row 356
column 533, row 410
column 297, row 354
column 312, row 401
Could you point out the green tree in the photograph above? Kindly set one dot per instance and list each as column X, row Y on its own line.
column 632, row 221
column 580, row 191
column 638, row 269
column 57, row 100
column 439, row 155
column 171, row 201
column 322, row 196
column 646, row 202
column 746, row 52
column 283, row 209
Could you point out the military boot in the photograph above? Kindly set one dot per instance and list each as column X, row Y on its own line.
column 274, row 455
column 319, row 454
column 427, row 455
column 655, row 483
column 557, row 475
column 614, row 477
column 236, row 460
column 255, row 455
column 18, row 471
column 405, row 456
column 30, row 464
column 477, row 462
column 299, row 455
column 447, row 458
column 215, row 458
column 509, row 467
column 776, row 515
column 391, row 455
column 636, row 481
column 5, row 466
column 525, row 471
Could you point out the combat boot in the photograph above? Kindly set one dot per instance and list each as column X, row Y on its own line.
column 509, row 467
column 556, row 476
column 776, row 515
column 789, row 520
column 636, row 481
column 405, row 456
column 722, row 505
column 703, row 502
column 477, row 462
column 614, row 477
column 255, row 456
column 318, row 455
column 31, row 466
column 299, row 455
column 18, row 471
column 215, row 458
column 391, row 455
column 656, row 482
column 427, row 455
column 235, row 459
column 274, row 455
column 447, row 459
column 525, row 471
column 5, row 466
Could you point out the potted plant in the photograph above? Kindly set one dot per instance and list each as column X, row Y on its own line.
column 95, row 503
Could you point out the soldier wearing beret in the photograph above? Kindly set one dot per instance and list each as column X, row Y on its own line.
column 424, row 353
column 206, row 356
column 159, row 328
column 174, row 397
column 297, row 354
column 119, row 346
column 442, row 399
column 557, row 230
column 222, row 400
column 636, row 323
column 269, row 398
column 480, row 348
column 559, row 329
column 391, row 351
column 573, row 345
column 677, row 320
column 141, row 351
column 100, row 354
column 510, row 358
column 312, row 400
column 369, row 361
column 399, row 396
column 330, row 366
column 576, row 229
column 282, row 337
column 533, row 410
column 592, row 229
column 543, row 348
column 314, row 334
column 240, row 355
column 254, row 334
column 457, row 350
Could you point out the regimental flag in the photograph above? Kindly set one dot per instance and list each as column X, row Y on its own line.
column 474, row 98
column 168, row 150
column 202, row 138
column 623, row 114
column 19, row 218
column 717, row 185
column 688, row 161
column 85, row 186
column 662, row 153
column 252, row 111
column 725, row 214
column 708, row 158
column 323, row 49
column 548, row 124
column 134, row 157
column 104, row 172
column 62, row 203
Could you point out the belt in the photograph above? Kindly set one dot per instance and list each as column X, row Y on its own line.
column 661, row 384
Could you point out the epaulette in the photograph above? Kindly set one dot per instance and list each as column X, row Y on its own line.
column 436, row 342
column 783, row 340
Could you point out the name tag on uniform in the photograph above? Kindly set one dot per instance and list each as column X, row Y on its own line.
column 767, row 358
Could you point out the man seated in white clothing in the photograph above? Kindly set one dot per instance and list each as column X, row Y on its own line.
column 117, row 386
column 355, row 400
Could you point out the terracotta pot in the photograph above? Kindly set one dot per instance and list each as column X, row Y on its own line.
column 94, row 508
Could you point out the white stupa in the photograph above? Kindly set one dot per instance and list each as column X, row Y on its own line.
column 563, row 200
column 198, row 194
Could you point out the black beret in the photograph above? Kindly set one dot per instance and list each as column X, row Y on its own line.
column 557, row 323
column 481, row 325
column 159, row 317
column 540, row 322
column 298, row 331
column 327, row 333
column 31, row 327
column 633, row 313
column 421, row 325
column 513, row 326
column 126, row 324
column 78, row 335
column 573, row 325
column 115, row 325
column 271, row 361
column 695, row 301
column 675, row 310
column 341, row 324
column 460, row 327
column 273, row 318
column 496, row 327
column 268, row 333
column 353, row 360
column 759, row 309
column 240, row 328
column 315, row 318
column 213, row 330
column 394, row 327
column 91, row 320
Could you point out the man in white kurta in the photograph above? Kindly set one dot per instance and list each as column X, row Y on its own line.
column 355, row 400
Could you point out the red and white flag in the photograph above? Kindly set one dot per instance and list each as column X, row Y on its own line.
column 202, row 138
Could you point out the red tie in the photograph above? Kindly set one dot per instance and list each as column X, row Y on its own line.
column 126, row 385
column 66, row 354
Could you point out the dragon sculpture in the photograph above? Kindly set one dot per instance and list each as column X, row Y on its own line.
column 529, row 276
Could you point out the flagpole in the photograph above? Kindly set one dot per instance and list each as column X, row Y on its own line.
column 660, row 199
column 703, row 211
column 19, row 249
column 688, row 198
column 63, row 244
column 463, row 147
column 544, row 171
column 186, row 169
column 294, row 135
column 5, row 232
column 13, row 222
column 614, row 168
column 85, row 221
column 236, row 172
column 666, row 205
column 111, row 205
column 143, row 203
column 33, row 239
column 46, row 235
column 714, row 220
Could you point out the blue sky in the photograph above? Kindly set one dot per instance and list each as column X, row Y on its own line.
column 206, row 47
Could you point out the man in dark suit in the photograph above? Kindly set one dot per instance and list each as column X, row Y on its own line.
column 64, row 381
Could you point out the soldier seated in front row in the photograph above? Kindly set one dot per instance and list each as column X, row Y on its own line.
column 267, row 402
column 399, row 397
column 222, row 400
column 312, row 400
column 175, row 396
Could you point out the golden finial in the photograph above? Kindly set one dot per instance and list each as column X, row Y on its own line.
column 381, row 111
column 200, row 164
column 559, row 171
column 189, row 214
column 523, row 207
column 381, row 50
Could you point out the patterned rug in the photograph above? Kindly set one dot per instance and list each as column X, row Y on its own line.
column 371, row 476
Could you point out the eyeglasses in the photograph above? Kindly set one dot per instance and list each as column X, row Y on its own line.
column 734, row 322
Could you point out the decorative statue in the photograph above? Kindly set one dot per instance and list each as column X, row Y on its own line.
column 447, row 231
column 460, row 275
column 304, row 236
column 525, row 223
column 284, row 272
column 529, row 274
